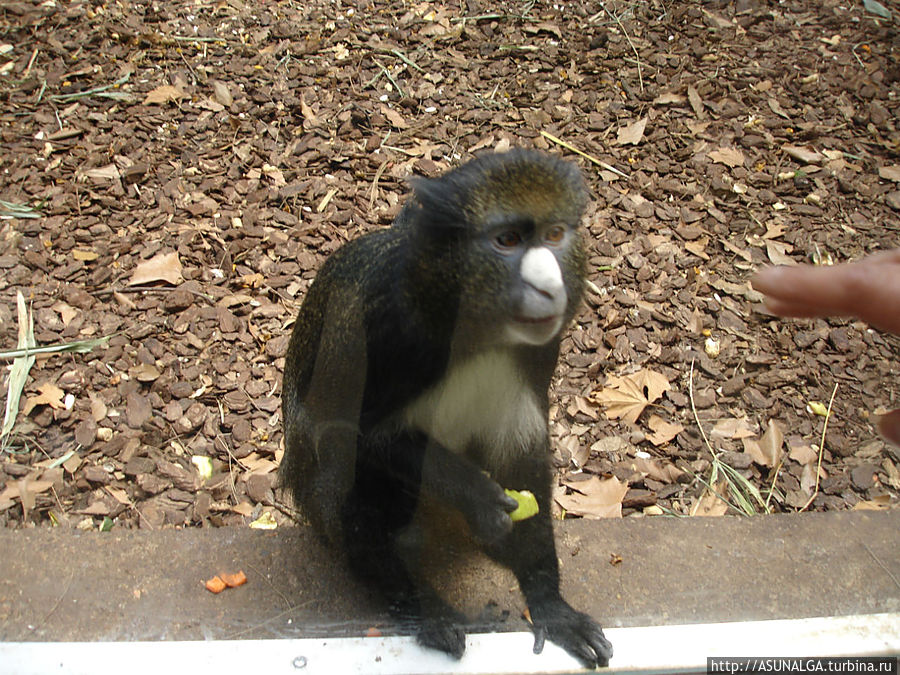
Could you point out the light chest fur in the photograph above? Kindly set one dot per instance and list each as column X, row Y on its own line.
column 482, row 401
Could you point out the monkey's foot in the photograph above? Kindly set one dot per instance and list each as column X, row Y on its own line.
column 443, row 633
column 575, row 632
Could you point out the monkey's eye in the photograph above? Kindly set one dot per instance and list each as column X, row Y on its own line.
column 555, row 234
column 508, row 239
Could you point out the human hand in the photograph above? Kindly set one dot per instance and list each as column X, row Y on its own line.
column 868, row 289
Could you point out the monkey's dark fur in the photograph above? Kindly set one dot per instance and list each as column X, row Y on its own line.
column 419, row 367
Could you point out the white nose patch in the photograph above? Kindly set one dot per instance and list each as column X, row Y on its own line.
column 540, row 269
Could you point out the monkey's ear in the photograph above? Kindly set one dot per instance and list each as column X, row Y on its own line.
column 436, row 206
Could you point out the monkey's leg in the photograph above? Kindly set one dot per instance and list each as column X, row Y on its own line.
column 530, row 552
column 320, row 470
column 384, row 545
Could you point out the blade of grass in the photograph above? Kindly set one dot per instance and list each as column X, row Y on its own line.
column 103, row 92
column 78, row 347
column 738, row 486
column 772, row 488
column 637, row 56
column 390, row 78
column 821, row 450
column 13, row 210
column 742, row 489
column 20, row 368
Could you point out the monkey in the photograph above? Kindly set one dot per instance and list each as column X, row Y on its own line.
column 419, row 367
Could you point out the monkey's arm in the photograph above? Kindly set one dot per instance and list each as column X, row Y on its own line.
column 460, row 484
column 420, row 465
column 323, row 389
column 530, row 552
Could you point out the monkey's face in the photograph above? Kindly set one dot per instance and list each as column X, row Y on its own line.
column 502, row 232
column 525, row 280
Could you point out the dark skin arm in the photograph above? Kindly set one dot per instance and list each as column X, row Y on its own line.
column 868, row 289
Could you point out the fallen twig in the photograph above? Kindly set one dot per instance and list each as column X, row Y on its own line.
column 553, row 139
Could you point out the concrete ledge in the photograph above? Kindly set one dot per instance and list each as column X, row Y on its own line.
column 135, row 585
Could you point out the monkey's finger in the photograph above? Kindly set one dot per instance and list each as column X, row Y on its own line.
column 508, row 504
column 540, row 637
column 601, row 646
column 576, row 645
column 589, row 644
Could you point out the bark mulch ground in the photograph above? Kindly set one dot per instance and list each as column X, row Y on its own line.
column 173, row 174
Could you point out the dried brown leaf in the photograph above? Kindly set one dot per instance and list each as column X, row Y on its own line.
column 657, row 469
column 737, row 250
column 668, row 98
column 663, row 431
column 776, row 108
column 98, row 407
column 805, row 155
column 632, row 133
column 890, row 172
column 767, row 451
column 803, row 454
column 545, row 26
column 712, row 502
column 222, row 93
column 164, row 94
column 27, row 491
column 879, row 503
column 100, row 173
column 695, row 100
column 66, row 312
column 808, row 478
column 698, row 247
column 728, row 156
column 595, row 497
column 395, row 118
column 732, row 427
column 161, row 267
column 119, row 495
column 626, row 397
column 49, row 394
column 777, row 252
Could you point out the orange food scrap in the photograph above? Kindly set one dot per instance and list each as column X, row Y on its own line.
column 234, row 580
column 215, row 585
column 373, row 632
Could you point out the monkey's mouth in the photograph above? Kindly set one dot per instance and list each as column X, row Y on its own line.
column 537, row 320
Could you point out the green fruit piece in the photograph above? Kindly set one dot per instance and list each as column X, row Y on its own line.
column 528, row 505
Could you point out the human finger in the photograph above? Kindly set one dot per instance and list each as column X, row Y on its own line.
column 889, row 426
column 869, row 290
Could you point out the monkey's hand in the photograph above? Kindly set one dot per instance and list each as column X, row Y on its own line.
column 575, row 632
column 488, row 511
